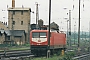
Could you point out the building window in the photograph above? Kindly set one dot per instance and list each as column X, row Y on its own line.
column 13, row 22
column 21, row 12
column 21, row 22
column 13, row 12
column 8, row 37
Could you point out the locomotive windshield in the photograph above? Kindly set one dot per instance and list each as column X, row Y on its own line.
column 39, row 34
column 35, row 34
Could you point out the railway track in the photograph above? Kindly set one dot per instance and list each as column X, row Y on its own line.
column 85, row 56
column 16, row 54
column 22, row 54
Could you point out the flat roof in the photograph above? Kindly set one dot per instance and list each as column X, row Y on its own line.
column 19, row 8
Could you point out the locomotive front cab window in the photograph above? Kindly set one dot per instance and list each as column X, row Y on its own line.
column 39, row 34
column 42, row 34
column 35, row 35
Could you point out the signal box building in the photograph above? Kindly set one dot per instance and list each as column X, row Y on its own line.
column 18, row 37
column 19, row 19
column 3, row 26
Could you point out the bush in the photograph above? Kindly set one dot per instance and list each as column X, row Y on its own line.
column 68, row 56
column 27, row 45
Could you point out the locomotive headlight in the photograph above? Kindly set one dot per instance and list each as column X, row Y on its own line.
column 38, row 44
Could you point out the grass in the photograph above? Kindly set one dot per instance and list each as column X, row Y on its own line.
column 66, row 56
column 52, row 58
column 44, row 58
column 20, row 47
column 16, row 47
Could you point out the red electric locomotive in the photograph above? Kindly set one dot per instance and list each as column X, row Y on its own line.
column 39, row 41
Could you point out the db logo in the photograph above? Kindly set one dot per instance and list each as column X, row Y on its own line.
column 39, row 40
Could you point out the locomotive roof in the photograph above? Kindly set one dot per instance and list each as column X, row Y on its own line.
column 39, row 31
column 53, row 31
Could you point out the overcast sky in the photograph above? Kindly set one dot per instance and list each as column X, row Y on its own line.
column 58, row 13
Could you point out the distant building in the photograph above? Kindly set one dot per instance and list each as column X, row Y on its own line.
column 33, row 26
column 53, row 25
column 40, row 23
column 18, row 37
column 2, row 36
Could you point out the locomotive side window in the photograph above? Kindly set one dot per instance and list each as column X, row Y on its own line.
column 42, row 34
column 35, row 35
column 65, row 35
